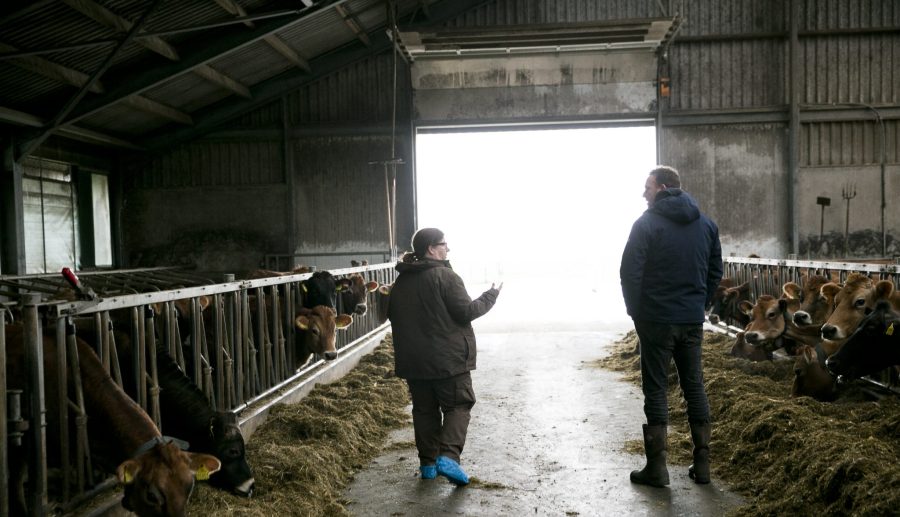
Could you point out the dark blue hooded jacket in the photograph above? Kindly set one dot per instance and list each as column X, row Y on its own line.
column 672, row 262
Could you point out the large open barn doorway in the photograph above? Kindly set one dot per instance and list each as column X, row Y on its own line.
column 545, row 211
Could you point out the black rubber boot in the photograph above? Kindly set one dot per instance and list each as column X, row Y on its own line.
column 655, row 472
column 699, row 471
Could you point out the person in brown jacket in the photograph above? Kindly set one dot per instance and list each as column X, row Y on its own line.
column 434, row 350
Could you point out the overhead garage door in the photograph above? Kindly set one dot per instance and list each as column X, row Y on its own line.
column 536, row 74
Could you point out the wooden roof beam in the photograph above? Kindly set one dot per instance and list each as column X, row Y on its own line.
column 113, row 21
column 52, row 70
column 277, row 44
column 159, row 109
column 214, row 76
column 281, row 46
column 109, row 19
column 351, row 21
column 76, row 133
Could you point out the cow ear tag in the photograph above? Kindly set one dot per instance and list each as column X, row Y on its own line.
column 128, row 477
column 890, row 330
column 202, row 473
column 304, row 287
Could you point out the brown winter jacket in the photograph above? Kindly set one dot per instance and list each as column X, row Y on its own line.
column 431, row 315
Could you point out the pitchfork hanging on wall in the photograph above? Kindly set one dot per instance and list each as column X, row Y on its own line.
column 848, row 192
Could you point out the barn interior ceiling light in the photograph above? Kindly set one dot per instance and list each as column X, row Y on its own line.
column 647, row 33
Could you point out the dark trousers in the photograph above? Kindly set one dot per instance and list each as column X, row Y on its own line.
column 660, row 343
column 441, row 412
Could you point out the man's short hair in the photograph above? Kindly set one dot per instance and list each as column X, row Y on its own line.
column 665, row 175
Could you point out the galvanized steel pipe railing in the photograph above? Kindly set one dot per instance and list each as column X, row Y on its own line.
column 767, row 276
column 240, row 348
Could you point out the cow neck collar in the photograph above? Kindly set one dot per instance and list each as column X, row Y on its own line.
column 160, row 440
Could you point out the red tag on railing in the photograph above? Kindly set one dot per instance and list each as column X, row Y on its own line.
column 71, row 278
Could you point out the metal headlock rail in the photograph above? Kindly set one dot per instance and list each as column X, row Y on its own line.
column 767, row 276
column 239, row 351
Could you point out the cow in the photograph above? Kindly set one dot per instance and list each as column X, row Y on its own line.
column 816, row 301
column 744, row 350
column 354, row 292
column 873, row 346
column 319, row 289
column 769, row 323
column 157, row 475
column 850, row 304
column 186, row 414
column 726, row 303
column 811, row 378
column 316, row 333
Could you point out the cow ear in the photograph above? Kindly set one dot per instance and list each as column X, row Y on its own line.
column 371, row 286
column 746, row 307
column 204, row 302
column 302, row 322
column 884, row 289
column 385, row 289
column 343, row 321
column 127, row 471
column 830, row 290
column 203, row 465
column 791, row 290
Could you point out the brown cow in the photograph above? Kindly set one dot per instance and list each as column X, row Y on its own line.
column 157, row 475
column 745, row 350
column 771, row 326
column 816, row 303
column 316, row 333
column 811, row 378
column 354, row 292
column 850, row 304
column 726, row 303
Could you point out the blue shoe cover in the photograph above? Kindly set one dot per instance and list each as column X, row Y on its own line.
column 428, row 471
column 451, row 470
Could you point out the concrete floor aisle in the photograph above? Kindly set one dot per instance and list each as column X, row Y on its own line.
column 546, row 438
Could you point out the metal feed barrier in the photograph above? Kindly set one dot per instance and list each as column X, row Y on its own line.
column 767, row 276
column 238, row 351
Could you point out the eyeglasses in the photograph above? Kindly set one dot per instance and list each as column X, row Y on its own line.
column 442, row 243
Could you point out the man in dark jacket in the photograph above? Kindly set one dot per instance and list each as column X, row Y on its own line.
column 671, row 266
column 434, row 350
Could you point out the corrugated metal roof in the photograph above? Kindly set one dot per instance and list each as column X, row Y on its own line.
column 310, row 34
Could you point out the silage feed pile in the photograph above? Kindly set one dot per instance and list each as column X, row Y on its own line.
column 787, row 456
column 305, row 454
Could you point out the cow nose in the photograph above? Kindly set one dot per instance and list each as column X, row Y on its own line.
column 802, row 318
column 752, row 337
column 246, row 488
column 829, row 331
column 714, row 319
column 330, row 356
column 360, row 309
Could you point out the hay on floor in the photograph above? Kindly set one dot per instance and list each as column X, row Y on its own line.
column 305, row 454
column 789, row 456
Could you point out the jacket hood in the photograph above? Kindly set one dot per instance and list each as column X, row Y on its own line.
column 420, row 265
column 676, row 205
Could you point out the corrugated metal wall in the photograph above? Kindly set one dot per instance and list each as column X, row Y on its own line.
column 730, row 62
column 336, row 196
column 214, row 163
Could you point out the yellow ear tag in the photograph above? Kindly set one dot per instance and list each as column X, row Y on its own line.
column 202, row 473
column 890, row 330
column 304, row 287
column 128, row 478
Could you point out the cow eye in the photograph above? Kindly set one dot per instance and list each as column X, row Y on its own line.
column 772, row 315
column 860, row 302
column 315, row 331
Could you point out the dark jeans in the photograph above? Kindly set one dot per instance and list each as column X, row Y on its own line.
column 441, row 411
column 660, row 343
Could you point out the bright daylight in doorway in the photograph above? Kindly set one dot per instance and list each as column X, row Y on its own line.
column 547, row 212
